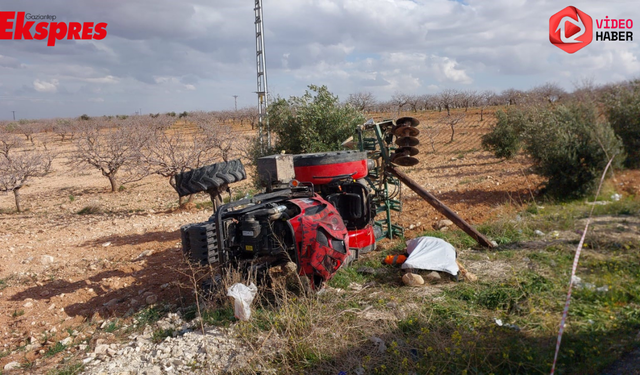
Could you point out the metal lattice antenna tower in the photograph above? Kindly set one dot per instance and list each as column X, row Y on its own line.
column 261, row 65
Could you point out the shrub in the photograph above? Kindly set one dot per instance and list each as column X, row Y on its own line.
column 570, row 147
column 313, row 122
column 504, row 138
column 568, row 144
column 622, row 108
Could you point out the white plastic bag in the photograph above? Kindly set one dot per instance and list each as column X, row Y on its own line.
column 430, row 253
column 243, row 296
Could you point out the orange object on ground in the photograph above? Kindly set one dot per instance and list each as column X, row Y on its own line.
column 395, row 259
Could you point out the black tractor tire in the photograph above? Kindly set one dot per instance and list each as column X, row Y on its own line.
column 210, row 177
column 227, row 178
column 200, row 242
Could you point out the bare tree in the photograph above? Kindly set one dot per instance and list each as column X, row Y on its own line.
column 414, row 102
column 8, row 142
column 452, row 121
column 114, row 151
column 447, row 99
column 362, row 101
column 512, row 96
column 465, row 99
column 65, row 128
column 399, row 101
column 250, row 114
column 17, row 168
column 384, row 107
column 172, row 152
column 28, row 129
column 432, row 131
column 584, row 89
column 219, row 136
column 549, row 92
column 428, row 101
column 485, row 99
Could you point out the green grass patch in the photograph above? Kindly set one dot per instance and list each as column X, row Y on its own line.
column 160, row 334
column 189, row 313
column 218, row 317
column 112, row 326
column 348, row 275
column 55, row 349
column 506, row 231
column 149, row 315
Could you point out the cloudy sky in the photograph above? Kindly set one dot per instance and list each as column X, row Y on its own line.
column 167, row 55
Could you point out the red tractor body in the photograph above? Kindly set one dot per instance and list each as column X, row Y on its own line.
column 320, row 224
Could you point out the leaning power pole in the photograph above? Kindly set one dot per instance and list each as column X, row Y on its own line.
column 263, row 91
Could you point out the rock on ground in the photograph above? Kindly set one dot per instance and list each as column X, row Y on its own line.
column 411, row 279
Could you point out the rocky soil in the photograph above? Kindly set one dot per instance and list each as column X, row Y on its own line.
column 186, row 350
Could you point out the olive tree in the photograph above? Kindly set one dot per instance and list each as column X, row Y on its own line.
column 622, row 109
column 313, row 122
column 568, row 144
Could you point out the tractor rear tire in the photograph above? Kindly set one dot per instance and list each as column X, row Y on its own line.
column 210, row 177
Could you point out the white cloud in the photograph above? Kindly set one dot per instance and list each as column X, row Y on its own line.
column 105, row 79
column 44, row 86
column 449, row 68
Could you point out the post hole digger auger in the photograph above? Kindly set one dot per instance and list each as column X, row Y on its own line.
column 319, row 210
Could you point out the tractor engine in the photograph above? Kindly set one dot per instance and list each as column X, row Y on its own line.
column 262, row 232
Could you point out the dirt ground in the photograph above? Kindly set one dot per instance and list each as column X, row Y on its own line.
column 63, row 273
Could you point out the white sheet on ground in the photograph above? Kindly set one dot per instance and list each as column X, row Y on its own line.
column 430, row 253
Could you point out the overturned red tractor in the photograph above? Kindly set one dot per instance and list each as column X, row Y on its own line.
column 318, row 210
column 320, row 218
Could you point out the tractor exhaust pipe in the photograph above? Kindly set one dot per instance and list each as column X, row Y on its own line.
column 446, row 211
